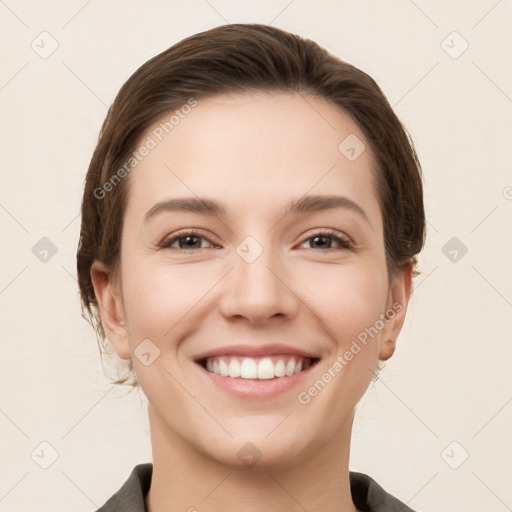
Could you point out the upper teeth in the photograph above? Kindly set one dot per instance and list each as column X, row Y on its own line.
column 256, row 368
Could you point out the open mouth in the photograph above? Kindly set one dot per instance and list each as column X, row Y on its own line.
column 259, row 368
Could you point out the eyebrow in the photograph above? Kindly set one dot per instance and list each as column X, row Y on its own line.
column 305, row 204
column 189, row 204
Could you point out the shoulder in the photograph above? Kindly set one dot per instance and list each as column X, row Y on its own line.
column 131, row 496
column 369, row 496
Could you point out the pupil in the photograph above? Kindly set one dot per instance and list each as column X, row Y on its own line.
column 321, row 238
column 189, row 241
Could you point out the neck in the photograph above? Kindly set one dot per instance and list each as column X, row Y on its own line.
column 185, row 480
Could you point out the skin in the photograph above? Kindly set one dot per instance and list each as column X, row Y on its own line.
column 252, row 153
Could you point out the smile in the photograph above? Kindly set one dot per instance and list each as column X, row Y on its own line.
column 261, row 368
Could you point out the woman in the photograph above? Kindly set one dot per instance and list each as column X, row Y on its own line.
column 250, row 222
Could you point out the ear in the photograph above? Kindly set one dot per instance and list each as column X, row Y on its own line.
column 398, row 300
column 111, row 308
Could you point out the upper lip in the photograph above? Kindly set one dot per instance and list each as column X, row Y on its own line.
column 255, row 351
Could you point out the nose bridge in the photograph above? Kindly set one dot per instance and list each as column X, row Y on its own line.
column 255, row 289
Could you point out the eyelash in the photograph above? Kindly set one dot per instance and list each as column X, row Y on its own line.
column 345, row 243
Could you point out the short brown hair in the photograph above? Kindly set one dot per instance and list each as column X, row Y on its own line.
column 238, row 58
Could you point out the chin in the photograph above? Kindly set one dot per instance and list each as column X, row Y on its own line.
column 257, row 453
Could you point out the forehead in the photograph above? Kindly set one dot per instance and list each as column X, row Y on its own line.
column 254, row 149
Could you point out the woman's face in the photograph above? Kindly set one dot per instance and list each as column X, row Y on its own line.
column 282, row 263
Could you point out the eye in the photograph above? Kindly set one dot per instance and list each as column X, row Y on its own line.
column 324, row 240
column 186, row 241
column 190, row 240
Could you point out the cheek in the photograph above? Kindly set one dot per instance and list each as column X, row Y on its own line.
column 345, row 299
column 160, row 299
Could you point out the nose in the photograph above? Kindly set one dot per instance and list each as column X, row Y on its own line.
column 259, row 290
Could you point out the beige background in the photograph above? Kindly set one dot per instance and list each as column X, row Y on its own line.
column 450, row 380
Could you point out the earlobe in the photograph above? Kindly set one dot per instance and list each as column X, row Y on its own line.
column 387, row 349
column 111, row 309
column 398, row 300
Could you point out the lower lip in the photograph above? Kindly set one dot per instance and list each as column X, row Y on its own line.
column 257, row 388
